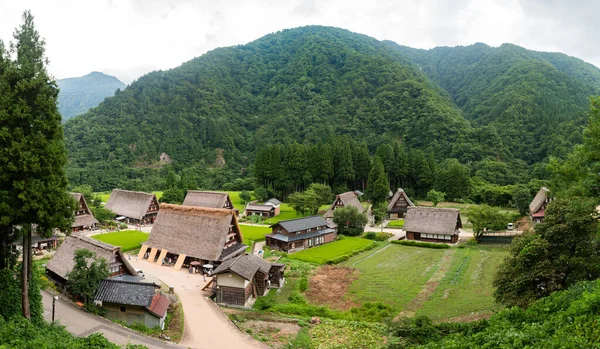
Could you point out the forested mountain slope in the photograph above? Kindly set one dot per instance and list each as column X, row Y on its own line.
column 536, row 100
column 302, row 85
column 78, row 95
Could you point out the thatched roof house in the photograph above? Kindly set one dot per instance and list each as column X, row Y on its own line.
column 344, row 200
column 210, row 199
column 246, row 276
column 84, row 219
column 62, row 262
column 398, row 204
column 432, row 224
column 134, row 206
column 537, row 207
column 208, row 234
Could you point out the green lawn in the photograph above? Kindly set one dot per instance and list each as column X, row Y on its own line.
column 397, row 223
column 322, row 253
column 127, row 239
column 254, row 232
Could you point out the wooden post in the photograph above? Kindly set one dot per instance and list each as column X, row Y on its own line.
column 179, row 262
column 163, row 254
column 152, row 254
column 142, row 251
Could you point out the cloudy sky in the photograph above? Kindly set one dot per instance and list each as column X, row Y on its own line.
column 128, row 38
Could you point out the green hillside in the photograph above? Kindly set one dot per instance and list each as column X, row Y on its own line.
column 78, row 95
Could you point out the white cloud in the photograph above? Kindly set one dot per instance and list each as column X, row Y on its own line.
column 131, row 38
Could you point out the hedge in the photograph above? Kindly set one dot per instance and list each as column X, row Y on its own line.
column 421, row 244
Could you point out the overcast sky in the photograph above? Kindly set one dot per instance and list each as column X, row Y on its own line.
column 128, row 38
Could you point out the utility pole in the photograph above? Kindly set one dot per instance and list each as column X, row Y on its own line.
column 53, row 306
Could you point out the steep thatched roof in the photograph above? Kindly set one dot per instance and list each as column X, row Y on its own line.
column 62, row 262
column 245, row 266
column 132, row 204
column 539, row 200
column 207, row 199
column 399, row 193
column 198, row 232
column 432, row 220
column 348, row 199
column 85, row 219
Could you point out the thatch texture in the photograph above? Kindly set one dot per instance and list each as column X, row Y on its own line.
column 432, row 220
column 62, row 261
column 132, row 204
column 245, row 266
column 198, row 232
column 399, row 193
column 539, row 200
column 85, row 219
column 348, row 199
column 207, row 199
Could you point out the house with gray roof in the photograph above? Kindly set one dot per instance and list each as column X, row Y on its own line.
column 398, row 205
column 432, row 224
column 347, row 199
column 134, row 207
column 84, row 219
column 297, row 234
column 267, row 209
column 132, row 302
column 537, row 207
column 244, row 278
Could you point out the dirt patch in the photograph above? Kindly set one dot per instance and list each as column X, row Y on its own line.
column 328, row 286
column 430, row 286
column 523, row 223
column 469, row 318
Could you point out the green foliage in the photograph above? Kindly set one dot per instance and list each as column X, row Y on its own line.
column 563, row 250
column 486, row 218
column 379, row 212
column 304, row 202
column 103, row 215
column 435, row 197
column 521, row 198
column 349, row 334
column 85, row 277
column 377, row 236
column 420, row 244
column 10, row 298
column 303, row 284
column 453, row 180
column 173, row 196
column 245, row 196
column 349, row 221
column 377, row 183
column 261, row 194
column 323, row 191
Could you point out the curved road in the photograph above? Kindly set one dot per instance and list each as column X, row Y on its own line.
column 205, row 326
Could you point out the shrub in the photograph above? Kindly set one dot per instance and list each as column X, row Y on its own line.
column 378, row 236
column 421, row 244
column 303, row 284
column 264, row 303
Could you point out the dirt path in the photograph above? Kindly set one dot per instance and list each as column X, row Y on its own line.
column 430, row 286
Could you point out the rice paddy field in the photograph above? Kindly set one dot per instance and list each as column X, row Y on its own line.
column 127, row 239
column 254, row 232
column 321, row 254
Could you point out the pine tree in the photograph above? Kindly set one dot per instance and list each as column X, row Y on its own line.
column 377, row 185
column 362, row 164
column 31, row 141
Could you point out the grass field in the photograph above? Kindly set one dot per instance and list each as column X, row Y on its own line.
column 441, row 284
column 397, row 223
column 254, row 232
column 322, row 253
column 127, row 239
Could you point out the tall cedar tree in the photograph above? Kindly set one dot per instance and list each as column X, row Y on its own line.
column 34, row 183
column 377, row 185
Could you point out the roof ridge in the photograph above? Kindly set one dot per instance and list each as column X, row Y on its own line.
column 133, row 191
column 297, row 219
column 130, row 282
column 101, row 244
column 182, row 208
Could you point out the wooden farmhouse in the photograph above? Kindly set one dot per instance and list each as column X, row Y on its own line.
column 84, row 219
column 537, row 207
column 297, row 234
column 184, row 234
column 244, row 278
column 209, row 199
column 398, row 205
column 432, row 224
column 133, row 207
column 133, row 302
column 62, row 262
column 344, row 200
column 268, row 209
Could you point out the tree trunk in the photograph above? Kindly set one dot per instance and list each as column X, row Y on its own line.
column 25, row 273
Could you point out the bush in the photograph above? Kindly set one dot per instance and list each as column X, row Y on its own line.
column 303, row 284
column 378, row 236
column 421, row 244
column 264, row 303
column 351, row 231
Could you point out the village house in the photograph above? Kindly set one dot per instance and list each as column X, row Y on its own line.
column 537, row 207
column 38, row 243
column 297, row 234
column 84, row 219
column 240, row 280
column 62, row 261
column 209, row 199
column 133, row 207
column 398, row 205
column 186, row 234
column 432, row 224
column 268, row 209
column 344, row 200
column 133, row 302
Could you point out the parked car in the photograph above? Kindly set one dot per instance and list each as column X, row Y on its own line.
column 140, row 273
column 510, row 226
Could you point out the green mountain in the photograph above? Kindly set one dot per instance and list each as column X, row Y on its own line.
column 478, row 104
column 78, row 95
column 537, row 101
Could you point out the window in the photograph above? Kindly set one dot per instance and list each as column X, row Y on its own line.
column 123, row 309
column 114, row 269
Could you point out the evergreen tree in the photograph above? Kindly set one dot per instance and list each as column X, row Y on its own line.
column 377, row 185
column 362, row 164
column 32, row 147
column 454, row 180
